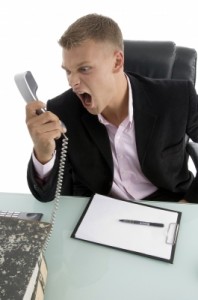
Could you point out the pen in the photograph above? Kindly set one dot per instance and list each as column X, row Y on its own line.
column 137, row 222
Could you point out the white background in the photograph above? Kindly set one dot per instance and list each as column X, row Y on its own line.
column 29, row 31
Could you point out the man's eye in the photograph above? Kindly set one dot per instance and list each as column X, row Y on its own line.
column 85, row 69
column 67, row 72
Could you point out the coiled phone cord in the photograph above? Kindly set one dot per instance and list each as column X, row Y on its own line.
column 58, row 187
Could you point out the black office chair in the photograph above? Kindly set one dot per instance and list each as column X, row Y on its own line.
column 163, row 60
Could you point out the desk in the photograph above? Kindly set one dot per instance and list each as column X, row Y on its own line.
column 79, row 270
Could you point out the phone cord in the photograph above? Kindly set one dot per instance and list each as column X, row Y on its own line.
column 58, row 187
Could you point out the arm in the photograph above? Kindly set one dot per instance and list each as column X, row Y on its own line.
column 73, row 184
column 192, row 131
column 44, row 190
column 44, row 130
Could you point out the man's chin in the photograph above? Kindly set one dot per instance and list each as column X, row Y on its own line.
column 92, row 110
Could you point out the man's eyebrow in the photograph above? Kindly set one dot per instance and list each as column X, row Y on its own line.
column 63, row 67
column 83, row 63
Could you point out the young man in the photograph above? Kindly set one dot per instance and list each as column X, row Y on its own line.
column 126, row 133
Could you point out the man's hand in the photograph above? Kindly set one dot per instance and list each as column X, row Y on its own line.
column 183, row 201
column 44, row 129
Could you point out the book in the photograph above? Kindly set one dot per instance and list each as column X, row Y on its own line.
column 23, row 269
column 130, row 226
column 39, row 280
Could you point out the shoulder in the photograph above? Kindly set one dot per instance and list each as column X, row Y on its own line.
column 68, row 107
column 162, row 93
column 66, row 98
column 65, row 103
column 155, row 84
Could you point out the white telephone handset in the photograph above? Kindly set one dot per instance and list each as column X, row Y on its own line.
column 28, row 88
column 26, row 85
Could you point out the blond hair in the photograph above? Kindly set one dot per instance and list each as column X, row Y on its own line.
column 95, row 27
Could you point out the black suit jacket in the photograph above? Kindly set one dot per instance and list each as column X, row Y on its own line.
column 165, row 111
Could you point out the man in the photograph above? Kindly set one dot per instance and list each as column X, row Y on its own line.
column 126, row 133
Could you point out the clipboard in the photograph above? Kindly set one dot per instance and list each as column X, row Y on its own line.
column 100, row 223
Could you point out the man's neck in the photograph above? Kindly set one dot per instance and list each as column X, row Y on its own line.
column 119, row 110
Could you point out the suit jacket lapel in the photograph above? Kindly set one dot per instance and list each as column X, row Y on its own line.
column 99, row 135
column 144, row 118
column 144, row 122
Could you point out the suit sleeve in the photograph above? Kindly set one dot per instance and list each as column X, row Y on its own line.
column 45, row 191
column 192, row 132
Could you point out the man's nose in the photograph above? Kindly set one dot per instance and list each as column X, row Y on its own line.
column 73, row 80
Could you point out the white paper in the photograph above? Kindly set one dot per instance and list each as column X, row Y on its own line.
column 101, row 225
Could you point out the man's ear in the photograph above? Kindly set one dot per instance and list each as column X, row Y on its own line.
column 119, row 60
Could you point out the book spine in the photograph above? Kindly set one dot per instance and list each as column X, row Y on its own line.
column 41, row 280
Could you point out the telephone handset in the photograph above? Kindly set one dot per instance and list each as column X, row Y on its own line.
column 28, row 88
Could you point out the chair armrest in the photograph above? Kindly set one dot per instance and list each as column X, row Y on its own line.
column 192, row 149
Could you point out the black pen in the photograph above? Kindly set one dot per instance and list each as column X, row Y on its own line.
column 137, row 222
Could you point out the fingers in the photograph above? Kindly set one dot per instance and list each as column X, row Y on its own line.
column 32, row 108
column 42, row 123
column 183, row 201
column 44, row 129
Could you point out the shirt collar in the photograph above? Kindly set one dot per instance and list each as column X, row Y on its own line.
column 130, row 102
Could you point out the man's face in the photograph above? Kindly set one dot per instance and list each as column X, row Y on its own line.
column 92, row 70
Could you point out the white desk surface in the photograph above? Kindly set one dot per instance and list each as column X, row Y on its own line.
column 79, row 270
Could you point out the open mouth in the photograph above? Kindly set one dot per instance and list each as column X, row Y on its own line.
column 85, row 98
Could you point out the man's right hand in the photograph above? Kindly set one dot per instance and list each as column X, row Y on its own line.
column 44, row 129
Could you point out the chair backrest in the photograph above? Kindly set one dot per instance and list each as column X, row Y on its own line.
column 160, row 59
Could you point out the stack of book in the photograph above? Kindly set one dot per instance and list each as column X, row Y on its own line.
column 23, row 269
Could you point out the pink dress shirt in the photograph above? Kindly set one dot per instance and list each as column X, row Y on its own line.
column 129, row 182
